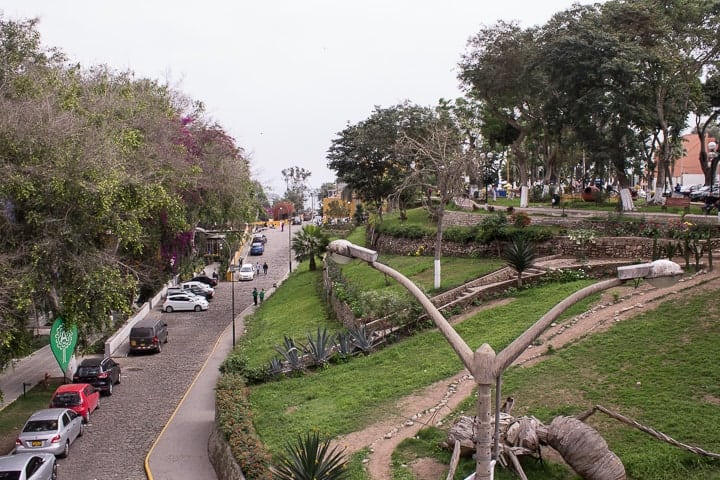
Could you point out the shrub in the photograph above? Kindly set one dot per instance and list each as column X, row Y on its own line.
column 460, row 234
column 235, row 422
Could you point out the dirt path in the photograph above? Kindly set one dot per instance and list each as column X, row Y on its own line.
column 430, row 405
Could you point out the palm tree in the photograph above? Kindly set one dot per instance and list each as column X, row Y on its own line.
column 311, row 459
column 519, row 255
column 309, row 243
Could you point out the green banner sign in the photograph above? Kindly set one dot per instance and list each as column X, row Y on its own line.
column 62, row 342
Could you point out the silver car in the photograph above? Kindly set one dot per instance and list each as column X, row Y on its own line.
column 52, row 430
column 28, row 466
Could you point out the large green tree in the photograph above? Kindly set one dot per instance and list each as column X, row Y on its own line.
column 102, row 178
column 365, row 155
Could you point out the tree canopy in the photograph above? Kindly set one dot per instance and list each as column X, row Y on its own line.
column 103, row 179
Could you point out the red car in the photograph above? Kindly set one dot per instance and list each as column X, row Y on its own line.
column 82, row 398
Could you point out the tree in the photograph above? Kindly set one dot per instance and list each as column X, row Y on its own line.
column 499, row 71
column 365, row 155
column 309, row 243
column 296, row 186
column 102, row 178
column 440, row 161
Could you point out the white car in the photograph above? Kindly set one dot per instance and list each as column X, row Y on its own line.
column 200, row 285
column 247, row 271
column 184, row 301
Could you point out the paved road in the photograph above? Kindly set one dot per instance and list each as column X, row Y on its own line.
column 125, row 427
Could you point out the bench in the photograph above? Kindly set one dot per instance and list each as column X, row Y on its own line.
column 683, row 202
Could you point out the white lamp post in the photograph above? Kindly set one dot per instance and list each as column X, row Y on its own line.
column 485, row 366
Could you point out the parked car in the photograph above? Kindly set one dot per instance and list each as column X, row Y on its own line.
column 81, row 398
column 101, row 373
column 247, row 272
column 148, row 334
column 297, row 220
column 198, row 288
column 184, row 302
column 257, row 248
column 700, row 194
column 688, row 189
column 51, row 430
column 28, row 466
column 259, row 239
column 206, row 280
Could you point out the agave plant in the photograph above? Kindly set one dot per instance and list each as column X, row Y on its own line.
column 291, row 354
column 344, row 345
column 275, row 367
column 362, row 338
column 320, row 348
column 519, row 255
column 310, row 459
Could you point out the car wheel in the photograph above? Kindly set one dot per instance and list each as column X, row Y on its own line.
column 169, row 309
column 66, row 450
column 86, row 419
column 81, row 432
column 198, row 308
column 53, row 475
column 110, row 388
column 118, row 379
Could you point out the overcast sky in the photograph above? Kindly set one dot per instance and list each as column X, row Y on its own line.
column 282, row 77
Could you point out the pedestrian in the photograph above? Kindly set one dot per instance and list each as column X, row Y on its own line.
column 257, row 268
column 262, row 295
column 255, row 295
column 265, row 267
column 282, row 227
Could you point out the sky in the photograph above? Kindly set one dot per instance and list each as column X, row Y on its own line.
column 282, row 77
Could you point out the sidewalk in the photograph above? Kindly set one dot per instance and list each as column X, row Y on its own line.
column 181, row 449
column 27, row 372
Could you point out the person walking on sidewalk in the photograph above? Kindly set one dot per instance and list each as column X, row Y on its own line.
column 265, row 267
column 255, row 295
column 262, row 295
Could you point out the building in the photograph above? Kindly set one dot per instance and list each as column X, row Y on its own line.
column 687, row 169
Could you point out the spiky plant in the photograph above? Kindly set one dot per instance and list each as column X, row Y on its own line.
column 519, row 255
column 320, row 348
column 291, row 354
column 310, row 459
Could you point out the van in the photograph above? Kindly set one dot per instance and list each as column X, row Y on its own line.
column 148, row 335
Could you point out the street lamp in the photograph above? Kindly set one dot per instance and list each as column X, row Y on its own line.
column 485, row 366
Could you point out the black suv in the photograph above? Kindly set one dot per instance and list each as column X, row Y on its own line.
column 101, row 373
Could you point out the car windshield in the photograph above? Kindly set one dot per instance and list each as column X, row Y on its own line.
column 142, row 332
column 88, row 371
column 9, row 475
column 41, row 426
column 246, row 269
column 69, row 399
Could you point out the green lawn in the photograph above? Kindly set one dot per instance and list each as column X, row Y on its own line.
column 672, row 353
column 660, row 369
column 348, row 396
